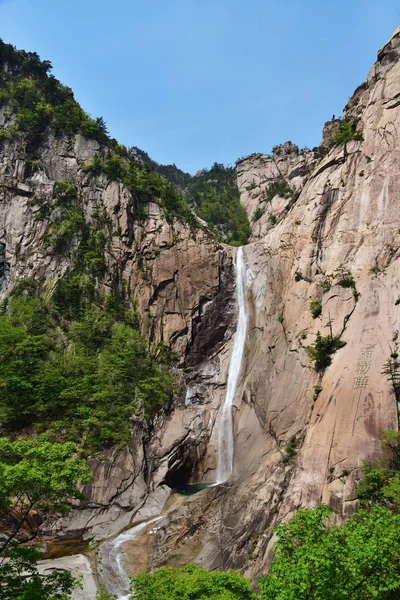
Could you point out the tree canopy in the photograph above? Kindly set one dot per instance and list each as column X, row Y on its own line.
column 215, row 197
column 34, row 476
column 78, row 378
column 317, row 560
column 191, row 582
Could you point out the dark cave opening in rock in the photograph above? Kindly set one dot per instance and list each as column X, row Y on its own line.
column 183, row 470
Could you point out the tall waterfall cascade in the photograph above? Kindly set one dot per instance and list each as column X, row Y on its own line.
column 225, row 430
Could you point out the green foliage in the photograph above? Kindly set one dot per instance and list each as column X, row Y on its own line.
column 346, row 280
column 178, row 178
column 69, row 233
column 298, row 276
column 175, row 176
column 73, row 294
column 38, row 474
column 280, row 318
column 215, row 198
column 279, row 187
column 325, row 285
column 346, row 132
column 95, row 166
column 68, row 228
column 76, row 370
column 191, row 582
column 258, row 213
column 62, row 232
column 37, row 103
column 290, row 449
column 317, row 391
column 321, row 351
column 392, row 370
column 315, row 308
column 34, row 475
column 37, row 100
column 381, row 481
column 316, row 560
column 272, row 219
column 146, row 185
column 20, row 579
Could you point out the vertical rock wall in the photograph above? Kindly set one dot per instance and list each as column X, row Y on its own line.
column 343, row 225
column 341, row 222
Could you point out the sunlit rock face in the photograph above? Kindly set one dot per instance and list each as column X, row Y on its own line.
column 183, row 285
column 344, row 223
column 300, row 436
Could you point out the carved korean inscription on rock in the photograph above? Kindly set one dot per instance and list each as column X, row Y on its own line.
column 364, row 363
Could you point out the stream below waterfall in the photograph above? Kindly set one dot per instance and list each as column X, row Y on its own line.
column 112, row 555
column 225, row 431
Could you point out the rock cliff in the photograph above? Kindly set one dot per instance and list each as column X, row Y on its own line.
column 301, row 436
column 182, row 283
column 328, row 236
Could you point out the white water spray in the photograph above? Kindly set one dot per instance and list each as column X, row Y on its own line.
column 114, row 576
column 225, row 431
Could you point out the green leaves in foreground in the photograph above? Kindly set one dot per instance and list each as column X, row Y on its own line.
column 317, row 560
column 191, row 582
column 36, row 472
column 20, row 579
column 34, row 476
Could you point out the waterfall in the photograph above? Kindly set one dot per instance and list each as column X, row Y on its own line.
column 111, row 554
column 225, row 431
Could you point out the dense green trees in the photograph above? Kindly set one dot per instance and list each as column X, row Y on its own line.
column 316, row 560
column 37, row 100
column 214, row 196
column 192, row 582
column 77, row 379
column 34, row 476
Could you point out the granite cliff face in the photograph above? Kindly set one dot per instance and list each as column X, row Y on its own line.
column 334, row 240
column 342, row 224
column 183, row 285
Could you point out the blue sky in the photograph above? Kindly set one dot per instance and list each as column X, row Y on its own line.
column 198, row 81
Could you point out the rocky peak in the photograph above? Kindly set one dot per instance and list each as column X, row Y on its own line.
column 329, row 129
column 258, row 173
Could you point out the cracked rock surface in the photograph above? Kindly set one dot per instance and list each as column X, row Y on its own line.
column 345, row 222
column 335, row 241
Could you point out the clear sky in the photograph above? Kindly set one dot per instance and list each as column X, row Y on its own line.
column 198, row 81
